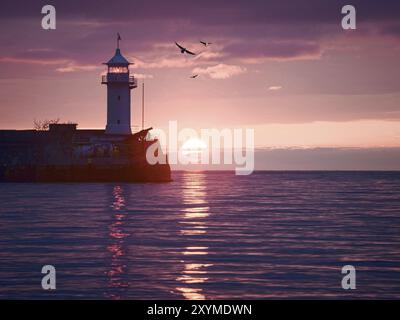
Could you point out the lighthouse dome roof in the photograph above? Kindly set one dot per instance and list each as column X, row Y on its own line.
column 118, row 59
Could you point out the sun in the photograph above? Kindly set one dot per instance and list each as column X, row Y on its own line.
column 193, row 146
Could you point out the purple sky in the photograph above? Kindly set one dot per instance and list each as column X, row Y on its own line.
column 285, row 68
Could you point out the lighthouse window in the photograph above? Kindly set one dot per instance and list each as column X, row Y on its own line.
column 119, row 97
column 118, row 122
column 118, row 69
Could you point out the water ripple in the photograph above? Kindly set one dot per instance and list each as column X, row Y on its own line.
column 204, row 236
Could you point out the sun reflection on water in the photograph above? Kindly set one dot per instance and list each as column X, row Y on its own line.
column 195, row 210
column 117, row 236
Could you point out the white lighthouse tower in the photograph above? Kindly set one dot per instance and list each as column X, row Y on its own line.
column 119, row 85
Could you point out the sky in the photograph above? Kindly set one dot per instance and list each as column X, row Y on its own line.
column 285, row 68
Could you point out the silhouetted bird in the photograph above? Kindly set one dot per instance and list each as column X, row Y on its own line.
column 205, row 43
column 184, row 50
column 194, row 76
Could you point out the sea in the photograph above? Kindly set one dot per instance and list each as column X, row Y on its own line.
column 206, row 235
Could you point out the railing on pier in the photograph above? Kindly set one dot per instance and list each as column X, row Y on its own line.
column 119, row 78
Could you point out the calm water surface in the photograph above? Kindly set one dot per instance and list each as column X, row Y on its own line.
column 204, row 236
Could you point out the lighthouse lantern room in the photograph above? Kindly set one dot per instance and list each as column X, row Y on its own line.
column 119, row 85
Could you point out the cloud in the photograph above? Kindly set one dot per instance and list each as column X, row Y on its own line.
column 33, row 61
column 165, row 62
column 281, row 50
column 143, row 76
column 212, row 12
column 61, row 60
column 327, row 159
column 240, row 33
column 63, row 65
column 73, row 67
column 390, row 30
column 220, row 71
column 166, row 55
column 275, row 88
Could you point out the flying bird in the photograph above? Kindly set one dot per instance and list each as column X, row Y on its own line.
column 184, row 50
column 205, row 43
column 194, row 76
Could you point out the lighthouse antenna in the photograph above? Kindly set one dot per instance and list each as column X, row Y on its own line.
column 118, row 39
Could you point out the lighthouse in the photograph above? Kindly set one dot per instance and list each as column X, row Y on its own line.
column 119, row 85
